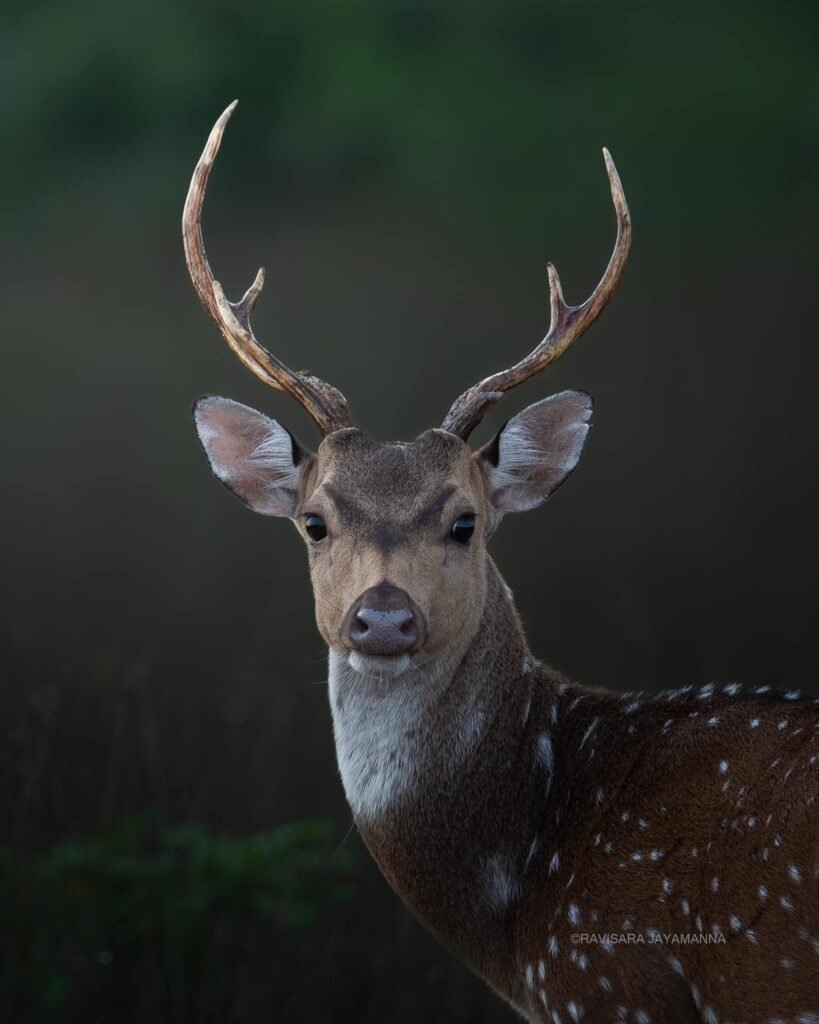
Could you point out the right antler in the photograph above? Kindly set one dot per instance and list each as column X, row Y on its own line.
column 326, row 405
column 567, row 325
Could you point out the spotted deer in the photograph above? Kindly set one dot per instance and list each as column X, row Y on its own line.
column 593, row 856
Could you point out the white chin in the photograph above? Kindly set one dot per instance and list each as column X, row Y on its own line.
column 382, row 668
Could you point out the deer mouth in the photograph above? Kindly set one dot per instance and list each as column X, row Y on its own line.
column 379, row 666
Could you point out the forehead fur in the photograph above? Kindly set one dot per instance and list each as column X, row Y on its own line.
column 381, row 490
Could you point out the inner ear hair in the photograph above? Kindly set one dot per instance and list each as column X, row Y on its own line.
column 536, row 451
column 254, row 456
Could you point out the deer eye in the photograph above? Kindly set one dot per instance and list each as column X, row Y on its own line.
column 463, row 529
column 316, row 528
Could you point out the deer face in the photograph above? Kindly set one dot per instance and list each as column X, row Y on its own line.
column 396, row 533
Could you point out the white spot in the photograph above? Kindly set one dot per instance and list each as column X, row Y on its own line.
column 709, row 1016
column 554, row 863
column 795, row 873
column 541, row 970
column 754, row 723
column 714, row 721
column 530, row 976
column 783, row 724
column 574, row 913
column 706, row 691
column 656, row 854
column 631, row 708
column 588, row 732
column 714, row 884
column 527, row 666
column 546, row 756
column 668, row 886
column 724, row 767
column 763, row 892
column 686, row 907
column 575, row 1011
column 786, row 962
column 637, row 856
column 735, row 923
column 605, row 984
column 553, row 948
column 502, row 888
column 600, row 797
column 786, row 903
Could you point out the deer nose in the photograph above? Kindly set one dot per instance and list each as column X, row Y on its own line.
column 384, row 621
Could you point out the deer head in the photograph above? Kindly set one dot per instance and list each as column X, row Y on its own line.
column 396, row 533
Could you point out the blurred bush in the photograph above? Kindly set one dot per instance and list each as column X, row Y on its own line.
column 148, row 922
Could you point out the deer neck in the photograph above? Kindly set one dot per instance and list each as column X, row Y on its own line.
column 437, row 767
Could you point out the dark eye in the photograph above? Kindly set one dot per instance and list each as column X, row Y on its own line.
column 316, row 528
column 463, row 529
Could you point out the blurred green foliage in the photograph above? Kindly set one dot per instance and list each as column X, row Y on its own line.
column 163, row 923
column 483, row 101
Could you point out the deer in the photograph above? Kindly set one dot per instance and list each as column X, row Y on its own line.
column 593, row 856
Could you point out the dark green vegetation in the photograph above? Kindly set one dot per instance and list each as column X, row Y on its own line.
column 403, row 170
column 147, row 923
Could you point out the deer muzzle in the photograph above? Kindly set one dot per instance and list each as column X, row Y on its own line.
column 384, row 622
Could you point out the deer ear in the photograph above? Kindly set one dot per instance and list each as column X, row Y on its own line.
column 536, row 451
column 255, row 457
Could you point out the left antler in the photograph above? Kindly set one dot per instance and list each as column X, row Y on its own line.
column 567, row 325
column 326, row 405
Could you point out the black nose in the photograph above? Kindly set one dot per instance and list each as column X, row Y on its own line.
column 384, row 621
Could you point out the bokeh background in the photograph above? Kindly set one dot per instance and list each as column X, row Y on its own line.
column 175, row 844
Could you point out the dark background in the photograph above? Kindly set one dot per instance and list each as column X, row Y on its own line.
column 403, row 170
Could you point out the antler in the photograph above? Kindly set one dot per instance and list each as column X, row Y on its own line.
column 567, row 324
column 326, row 405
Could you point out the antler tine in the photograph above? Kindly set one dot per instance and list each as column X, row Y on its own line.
column 567, row 324
column 327, row 406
